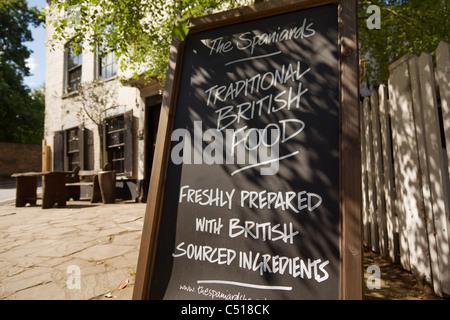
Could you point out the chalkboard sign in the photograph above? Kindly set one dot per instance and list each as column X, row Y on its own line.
column 250, row 207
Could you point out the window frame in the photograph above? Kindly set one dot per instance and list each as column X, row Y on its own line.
column 72, row 148
column 109, row 63
column 126, row 144
column 61, row 154
column 72, row 69
column 105, row 57
column 115, row 142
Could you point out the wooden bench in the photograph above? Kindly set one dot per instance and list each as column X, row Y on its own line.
column 53, row 188
column 71, row 181
column 58, row 186
column 83, row 178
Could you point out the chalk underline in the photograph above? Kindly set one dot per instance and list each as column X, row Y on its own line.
column 247, row 285
column 265, row 162
column 251, row 58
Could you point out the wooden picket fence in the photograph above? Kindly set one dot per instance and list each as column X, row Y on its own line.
column 405, row 135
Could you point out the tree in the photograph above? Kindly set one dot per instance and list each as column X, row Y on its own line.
column 21, row 116
column 95, row 99
column 33, row 116
column 406, row 27
column 138, row 31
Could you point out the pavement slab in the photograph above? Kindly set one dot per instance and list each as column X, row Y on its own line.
column 80, row 252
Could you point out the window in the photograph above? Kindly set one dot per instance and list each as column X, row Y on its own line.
column 73, row 67
column 107, row 60
column 68, row 149
column 73, row 148
column 115, row 143
column 107, row 65
column 118, row 143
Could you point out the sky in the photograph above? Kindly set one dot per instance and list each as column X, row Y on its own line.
column 36, row 62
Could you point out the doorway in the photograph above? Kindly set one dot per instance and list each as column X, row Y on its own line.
column 152, row 111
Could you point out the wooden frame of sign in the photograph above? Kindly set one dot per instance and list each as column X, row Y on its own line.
column 210, row 224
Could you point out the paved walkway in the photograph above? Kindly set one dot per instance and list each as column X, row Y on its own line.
column 82, row 251
column 86, row 251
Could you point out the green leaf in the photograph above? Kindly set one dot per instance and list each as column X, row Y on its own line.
column 180, row 31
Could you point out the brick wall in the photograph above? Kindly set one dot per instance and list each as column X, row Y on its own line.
column 16, row 157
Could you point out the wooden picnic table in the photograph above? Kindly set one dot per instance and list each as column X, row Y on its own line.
column 53, row 188
column 60, row 186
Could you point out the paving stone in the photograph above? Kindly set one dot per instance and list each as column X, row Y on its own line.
column 52, row 292
column 103, row 251
column 38, row 246
column 62, row 250
column 23, row 281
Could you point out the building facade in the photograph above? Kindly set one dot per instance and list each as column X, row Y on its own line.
column 126, row 135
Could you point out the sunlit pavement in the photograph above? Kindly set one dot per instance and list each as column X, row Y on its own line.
column 82, row 251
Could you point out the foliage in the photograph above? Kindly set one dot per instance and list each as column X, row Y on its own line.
column 21, row 110
column 96, row 98
column 407, row 27
column 14, row 19
column 34, row 116
column 138, row 31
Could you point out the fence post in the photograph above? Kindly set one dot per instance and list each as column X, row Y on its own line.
column 364, row 186
column 443, row 81
column 389, row 191
column 438, row 177
column 370, row 176
column 45, row 156
column 378, row 175
column 405, row 157
column 419, row 246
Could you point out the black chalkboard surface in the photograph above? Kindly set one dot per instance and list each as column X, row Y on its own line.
column 251, row 201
